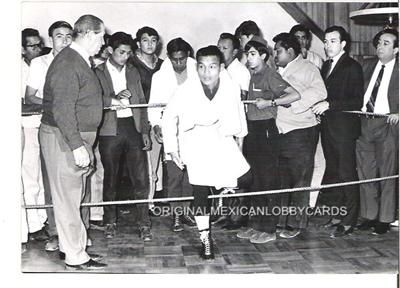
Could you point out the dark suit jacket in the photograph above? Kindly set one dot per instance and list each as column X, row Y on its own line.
column 109, row 123
column 393, row 93
column 345, row 86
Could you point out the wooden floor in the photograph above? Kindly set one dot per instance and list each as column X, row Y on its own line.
column 170, row 252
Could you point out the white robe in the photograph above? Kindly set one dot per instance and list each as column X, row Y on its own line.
column 205, row 143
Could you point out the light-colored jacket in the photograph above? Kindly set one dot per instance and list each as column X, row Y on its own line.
column 206, row 128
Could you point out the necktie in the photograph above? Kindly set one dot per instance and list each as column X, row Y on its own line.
column 374, row 93
column 328, row 67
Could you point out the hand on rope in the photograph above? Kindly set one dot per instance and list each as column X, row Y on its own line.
column 393, row 119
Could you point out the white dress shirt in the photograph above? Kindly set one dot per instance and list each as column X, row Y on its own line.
column 118, row 79
column 382, row 102
column 240, row 74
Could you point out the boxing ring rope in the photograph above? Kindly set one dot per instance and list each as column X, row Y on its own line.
column 244, row 194
column 161, row 105
column 228, row 193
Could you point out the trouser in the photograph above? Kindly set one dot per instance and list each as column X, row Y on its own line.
column 341, row 167
column 296, row 162
column 96, row 186
column 24, row 223
column 318, row 172
column 260, row 148
column 32, row 180
column 155, row 168
column 377, row 156
column 127, row 143
column 51, row 221
column 178, row 186
column 68, row 190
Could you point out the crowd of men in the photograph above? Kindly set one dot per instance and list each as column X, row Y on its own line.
column 205, row 140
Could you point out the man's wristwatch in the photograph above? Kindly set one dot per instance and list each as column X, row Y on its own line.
column 273, row 103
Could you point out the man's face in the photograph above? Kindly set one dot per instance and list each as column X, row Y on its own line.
column 96, row 40
column 33, row 47
column 208, row 68
column 148, row 44
column 244, row 39
column 226, row 48
column 254, row 59
column 61, row 38
column 178, row 60
column 121, row 54
column 282, row 56
column 385, row 49
column 332, row 44
column 302, row 39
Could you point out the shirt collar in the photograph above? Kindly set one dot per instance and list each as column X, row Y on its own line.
column 389, row 64
column 113, row 68
column 290, row 63
column 337, row 57
column 81, row 51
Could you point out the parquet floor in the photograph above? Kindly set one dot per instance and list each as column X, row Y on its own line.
column 170, row 252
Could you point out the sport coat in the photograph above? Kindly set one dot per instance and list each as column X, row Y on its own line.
column 393, row 91
column 108, row 126
column 345, row 86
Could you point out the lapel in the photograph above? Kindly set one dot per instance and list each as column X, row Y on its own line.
column 107, row 77
column 394, row 78
column 337, row 66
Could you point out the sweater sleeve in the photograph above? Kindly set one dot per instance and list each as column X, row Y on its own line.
column 144, row 112
column 65, row 88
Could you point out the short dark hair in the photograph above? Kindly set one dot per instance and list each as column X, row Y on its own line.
column 86, row 23
column 150, row 31
column 262, row 49
column 210, row 50
column 235, row 40
column 301, row 28
column 287, row 41
column 58, row 24
column 28, row 32
column 178, row 44
column 247, row 28
column 344, row 36
column 391, row 31
column 120, row 38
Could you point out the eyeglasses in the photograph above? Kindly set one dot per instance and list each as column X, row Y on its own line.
column 35, row 46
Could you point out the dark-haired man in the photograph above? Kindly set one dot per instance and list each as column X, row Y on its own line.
column 297, row 126
column 72, row 112
column 378, row 146
column 269, row 90
column 207, row 118
column 60, row 34
column 178, row 68
column 229, row 45
column 30, row 170
column 146, row 60
column 343, row 78
column 304, row 36
column 123, row 133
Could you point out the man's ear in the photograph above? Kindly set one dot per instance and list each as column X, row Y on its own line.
column 23, row 50
column 222, row 66
column 51, row 41
column 235, row 52
column 263, row 56
column 109, row 49
column 343, row 44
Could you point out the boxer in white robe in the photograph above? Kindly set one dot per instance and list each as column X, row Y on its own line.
column 209, row 117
